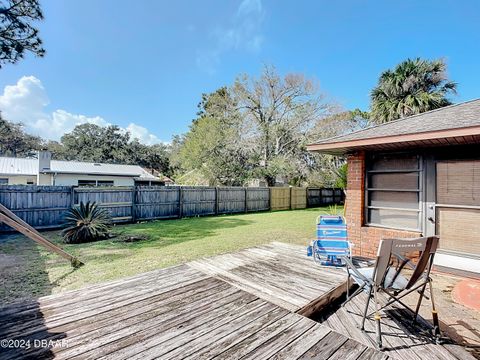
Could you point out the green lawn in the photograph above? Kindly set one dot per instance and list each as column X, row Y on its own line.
column 30, row 271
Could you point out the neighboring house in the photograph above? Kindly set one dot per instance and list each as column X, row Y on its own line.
column 45, row 171
column 162, row 178
column 415, row 176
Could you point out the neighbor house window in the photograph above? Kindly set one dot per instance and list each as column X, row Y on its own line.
column 105, row 183
column 95, row 182
column 3, row 181
column 87, row 182
column 394, row 191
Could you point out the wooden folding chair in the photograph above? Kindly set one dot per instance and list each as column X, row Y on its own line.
column 388, row 276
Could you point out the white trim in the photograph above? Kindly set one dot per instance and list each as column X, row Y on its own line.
column 457, row 262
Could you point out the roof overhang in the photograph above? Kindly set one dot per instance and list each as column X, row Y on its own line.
column 459, row 136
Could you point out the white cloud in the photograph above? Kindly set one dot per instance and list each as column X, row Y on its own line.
column 25, row 102
column 142, row 134
column 243, row 33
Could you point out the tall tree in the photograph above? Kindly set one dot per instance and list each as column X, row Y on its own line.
column 328, row 170
column 280, row 112
column 17, row 34
column 110, row 144
column 412, row 87
column 211, row 147
column 90, row 142
column 15, row 142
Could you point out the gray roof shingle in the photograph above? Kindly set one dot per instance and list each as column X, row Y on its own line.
column 456, row 116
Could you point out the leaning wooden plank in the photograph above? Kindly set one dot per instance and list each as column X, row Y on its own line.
column 21, row 226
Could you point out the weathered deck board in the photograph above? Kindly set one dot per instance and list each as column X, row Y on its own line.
column 401, row 339
column 244, row 305
column 279, row 273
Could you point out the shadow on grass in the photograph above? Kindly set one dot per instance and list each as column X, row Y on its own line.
column 23, row 271
column 23, row 278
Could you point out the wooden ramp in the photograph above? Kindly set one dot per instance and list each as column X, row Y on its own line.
column 279, row 273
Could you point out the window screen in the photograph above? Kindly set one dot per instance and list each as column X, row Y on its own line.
column 393, row 192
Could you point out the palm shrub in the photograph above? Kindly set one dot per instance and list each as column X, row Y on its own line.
column 412, row 87
column 86, row 223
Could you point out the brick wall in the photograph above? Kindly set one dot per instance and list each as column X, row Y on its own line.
column 365, row 238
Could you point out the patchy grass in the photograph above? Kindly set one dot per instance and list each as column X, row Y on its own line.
column 31, row 271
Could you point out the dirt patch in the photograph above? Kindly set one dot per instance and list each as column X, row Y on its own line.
column 22, row 270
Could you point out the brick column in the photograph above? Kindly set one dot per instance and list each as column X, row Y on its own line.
column 355, row 199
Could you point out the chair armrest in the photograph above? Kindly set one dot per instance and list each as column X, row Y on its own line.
column 351, row 266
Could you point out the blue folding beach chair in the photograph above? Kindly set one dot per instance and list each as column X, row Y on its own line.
column 332, row 244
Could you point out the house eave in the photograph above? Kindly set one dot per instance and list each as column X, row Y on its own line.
column 459, row 136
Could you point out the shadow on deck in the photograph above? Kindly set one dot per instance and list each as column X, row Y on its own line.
column 244, row 305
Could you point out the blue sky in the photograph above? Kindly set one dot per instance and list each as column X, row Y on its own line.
column 143, row 65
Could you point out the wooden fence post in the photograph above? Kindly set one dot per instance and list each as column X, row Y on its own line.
column 216, row 200
column 290, row 198
column 180, row 202
column 134, row 195
column 72, row 194
column 246, row 199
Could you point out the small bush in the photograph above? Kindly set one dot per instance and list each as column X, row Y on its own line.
column 86, row 223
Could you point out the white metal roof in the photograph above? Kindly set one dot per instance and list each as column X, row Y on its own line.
column 22, row 166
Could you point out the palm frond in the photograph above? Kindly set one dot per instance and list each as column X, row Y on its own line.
column 412, row 87
column 86, row 222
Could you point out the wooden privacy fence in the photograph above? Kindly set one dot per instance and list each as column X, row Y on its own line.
column 44, row 206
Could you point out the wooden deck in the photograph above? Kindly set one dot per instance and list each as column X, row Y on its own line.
column 280, row 273
column 201, row 310
column 402, row 339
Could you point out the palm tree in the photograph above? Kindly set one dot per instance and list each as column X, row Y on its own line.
column 413, row 87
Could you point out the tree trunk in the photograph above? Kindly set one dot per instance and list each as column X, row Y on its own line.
column 271, row 180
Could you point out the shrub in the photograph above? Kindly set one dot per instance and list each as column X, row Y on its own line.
column 86, row 223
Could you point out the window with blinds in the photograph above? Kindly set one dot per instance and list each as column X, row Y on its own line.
column 458, row 182
column 458, row 206
column 393, row 192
